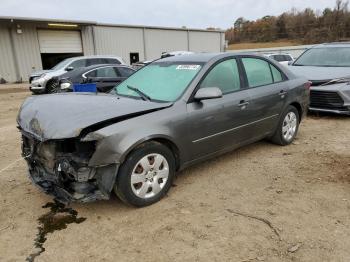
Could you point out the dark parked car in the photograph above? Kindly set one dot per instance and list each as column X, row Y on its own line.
column 169, row 115
column 105, row 77
column 327, row 66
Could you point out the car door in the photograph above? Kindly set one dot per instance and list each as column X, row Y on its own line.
column 268, row 91
column 217, row 124
column 105, row 78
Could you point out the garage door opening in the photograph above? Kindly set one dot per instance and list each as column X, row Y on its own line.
column 50, row 60
column 57, row 45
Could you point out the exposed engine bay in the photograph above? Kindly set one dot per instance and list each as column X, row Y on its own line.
column 61, row 168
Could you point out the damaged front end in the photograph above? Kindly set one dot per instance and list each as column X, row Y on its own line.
column 61, row 168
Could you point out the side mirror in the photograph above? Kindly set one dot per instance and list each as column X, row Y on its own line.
column 69, row 68
column 208, row 93
column 290, row 62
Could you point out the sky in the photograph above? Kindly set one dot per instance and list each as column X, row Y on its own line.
column 175, row 13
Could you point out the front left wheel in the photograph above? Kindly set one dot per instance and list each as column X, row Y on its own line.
column 52, row 87
column 146, row 175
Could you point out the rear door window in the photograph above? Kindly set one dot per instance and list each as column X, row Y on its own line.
column 112, row 61
column 258, row 72
column 277, row 76
column 125, row 72
column 278, row 58
column 288, row 58
column 104, row 72
column 78, row 63
column 95, row 61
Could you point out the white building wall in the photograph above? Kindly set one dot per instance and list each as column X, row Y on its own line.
column 88, row 40
column 119, row 41
column 27, row 50
column 159, row 40
column 205, row 41
column 7, row 64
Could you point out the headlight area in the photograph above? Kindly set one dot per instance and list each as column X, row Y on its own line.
column 60, row 168
column 66, row 85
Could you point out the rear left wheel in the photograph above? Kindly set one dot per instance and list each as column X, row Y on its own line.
column 287, row 127
column 146, row 175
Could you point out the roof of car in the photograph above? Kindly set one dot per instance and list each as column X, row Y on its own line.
column 333, row 44
column 93, row 56
column 82, row 70
column 203, row 57
column 102, row 65
column 276, row 54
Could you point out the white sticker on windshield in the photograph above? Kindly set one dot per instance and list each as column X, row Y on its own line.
column 187, row 67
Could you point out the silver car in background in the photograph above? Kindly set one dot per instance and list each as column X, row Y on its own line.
column 41, row 81
column 282, row 58
column 327, row 66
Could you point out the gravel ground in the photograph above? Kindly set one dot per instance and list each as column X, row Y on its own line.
column 259, row 203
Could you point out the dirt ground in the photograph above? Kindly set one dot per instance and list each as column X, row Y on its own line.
column 259, row 203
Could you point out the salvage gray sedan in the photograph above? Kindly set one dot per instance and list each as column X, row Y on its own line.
column 170, row 114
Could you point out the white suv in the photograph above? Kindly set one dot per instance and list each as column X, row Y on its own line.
column 283, row 58
column 40, row 80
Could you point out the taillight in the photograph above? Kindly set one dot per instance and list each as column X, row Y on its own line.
column 307, row 85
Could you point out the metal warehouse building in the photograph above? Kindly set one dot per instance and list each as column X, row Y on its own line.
column 28, row 44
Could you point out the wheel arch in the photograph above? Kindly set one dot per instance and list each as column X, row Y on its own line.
column 299, row 108
column 166, row 141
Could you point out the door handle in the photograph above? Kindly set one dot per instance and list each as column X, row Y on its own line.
column 242, row 104
column 282, row 93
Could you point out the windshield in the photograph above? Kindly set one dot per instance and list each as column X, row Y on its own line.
column 159, row 81
column 62, row 64
column 328, row 56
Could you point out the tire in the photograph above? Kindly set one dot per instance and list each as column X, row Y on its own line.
column 52, row 87
column 285, row 135
column 151, row 166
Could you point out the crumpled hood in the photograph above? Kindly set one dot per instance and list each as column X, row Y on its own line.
column 61, row 116
column 318, row 73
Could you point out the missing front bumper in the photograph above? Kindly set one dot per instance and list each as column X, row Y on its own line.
column 67, row 190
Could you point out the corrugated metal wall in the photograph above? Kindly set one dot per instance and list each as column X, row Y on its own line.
column 27, row 50
column 205, row 41
column 158, row 41
column 87, row 37
column 7, row 65
column 151, row 42
column 119, row 41
column 100, row 40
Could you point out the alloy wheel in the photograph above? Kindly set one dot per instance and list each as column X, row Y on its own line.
column 149, row 176
column 289, row 126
